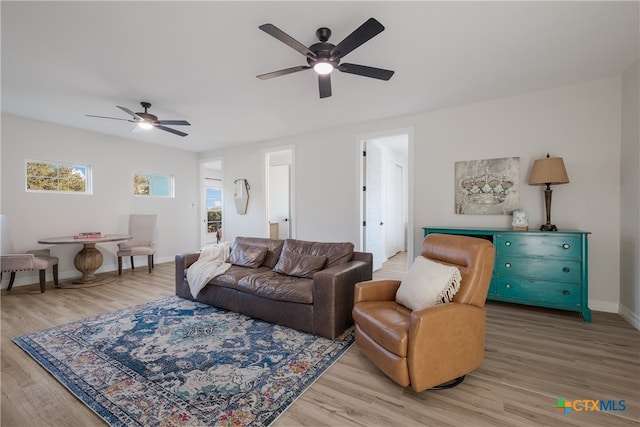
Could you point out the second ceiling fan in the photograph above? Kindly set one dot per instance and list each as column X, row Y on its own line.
column 324, row 57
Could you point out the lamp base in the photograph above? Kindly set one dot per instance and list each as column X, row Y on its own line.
column 548, row 227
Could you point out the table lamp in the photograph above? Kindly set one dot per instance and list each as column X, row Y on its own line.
column 547, row 171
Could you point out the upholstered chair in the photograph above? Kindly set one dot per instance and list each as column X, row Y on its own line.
column 12, row 262
column 142, row 228
column 433, row 347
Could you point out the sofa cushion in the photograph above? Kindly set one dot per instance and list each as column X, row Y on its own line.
column 233, row 275
column 279, row 287
column 274, row 248
column 246, row 255
column 299, row 265
column 336, row 253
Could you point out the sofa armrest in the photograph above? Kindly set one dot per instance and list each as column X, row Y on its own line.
column 457, row 331
column 183, row 261
column 333, row 296
column 376, row 290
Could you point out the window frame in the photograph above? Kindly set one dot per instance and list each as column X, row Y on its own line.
column 171, row 184
column 88, row 177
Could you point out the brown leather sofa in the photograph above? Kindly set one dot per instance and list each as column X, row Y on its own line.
column 281, row 289
column 438, row 345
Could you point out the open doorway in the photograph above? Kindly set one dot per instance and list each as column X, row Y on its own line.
column 385, row 204
column 279, row 166
column 212, row 196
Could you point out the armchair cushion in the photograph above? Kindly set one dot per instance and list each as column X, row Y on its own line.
column 428, row 283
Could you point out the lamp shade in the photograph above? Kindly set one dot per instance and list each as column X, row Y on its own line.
column 549, row 170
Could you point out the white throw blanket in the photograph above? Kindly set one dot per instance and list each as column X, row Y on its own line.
column 210, row 263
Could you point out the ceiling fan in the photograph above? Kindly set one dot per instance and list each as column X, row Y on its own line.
column 324, row 57
column 147, row 120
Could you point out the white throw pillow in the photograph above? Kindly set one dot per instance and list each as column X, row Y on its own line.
column 428, row 283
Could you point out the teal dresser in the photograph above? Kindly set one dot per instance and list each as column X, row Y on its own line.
column 545, row 269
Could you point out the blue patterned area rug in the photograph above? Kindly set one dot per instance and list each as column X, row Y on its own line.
column 174, row 362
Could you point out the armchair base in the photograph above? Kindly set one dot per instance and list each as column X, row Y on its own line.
column 449, row 384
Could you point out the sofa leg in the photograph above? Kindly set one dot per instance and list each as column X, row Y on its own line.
column 449, row 384
column 150, row 262
column 132, row 267
column 119, row 266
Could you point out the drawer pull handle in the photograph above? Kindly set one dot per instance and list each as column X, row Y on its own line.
column 565, row 292
column 508, row 286
column 566, row 269
column 566, row 246
column 507, row 243
column 507, row 265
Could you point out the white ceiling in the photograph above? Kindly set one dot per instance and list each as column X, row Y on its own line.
column 198, row 61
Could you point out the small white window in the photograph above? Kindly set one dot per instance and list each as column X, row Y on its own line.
column 152, row 184
column 58, row 177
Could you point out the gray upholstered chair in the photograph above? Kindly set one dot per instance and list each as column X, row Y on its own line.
column 143, row 230
column 12, row 262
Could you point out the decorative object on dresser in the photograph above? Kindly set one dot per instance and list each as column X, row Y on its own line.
column 520, row 221
column 538, row 268
column 547, row 171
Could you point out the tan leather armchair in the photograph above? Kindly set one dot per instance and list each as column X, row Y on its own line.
column 437, row 346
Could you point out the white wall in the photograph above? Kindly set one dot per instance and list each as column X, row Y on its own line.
column 580, row 123
column 630, row 200
column 33, row 216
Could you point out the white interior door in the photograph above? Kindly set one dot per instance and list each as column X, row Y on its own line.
column 373, row 204
column 279, row 200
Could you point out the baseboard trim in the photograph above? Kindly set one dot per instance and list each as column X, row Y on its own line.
column 24, row 279
column 630, row 316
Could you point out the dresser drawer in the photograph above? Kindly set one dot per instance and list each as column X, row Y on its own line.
column 556, row 270
column 560, row 246
column 536, row 292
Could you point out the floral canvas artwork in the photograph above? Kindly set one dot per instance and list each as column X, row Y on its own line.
column 487, row 187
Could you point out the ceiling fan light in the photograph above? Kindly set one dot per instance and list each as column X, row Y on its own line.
column 323, row 68
column 145, row 125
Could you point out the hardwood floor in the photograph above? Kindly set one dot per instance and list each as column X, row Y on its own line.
column 533, row 357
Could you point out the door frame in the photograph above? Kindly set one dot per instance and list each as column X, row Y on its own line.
column 202, row 208
column 361, row 138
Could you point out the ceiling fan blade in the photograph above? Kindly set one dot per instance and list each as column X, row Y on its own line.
column 282, row 72
column 363, row 70
column 324, row 82
column 177, row 132
column 276, row 32
column 112, row 118
column 131, row 113
column 173, row 122
column 360, row 36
